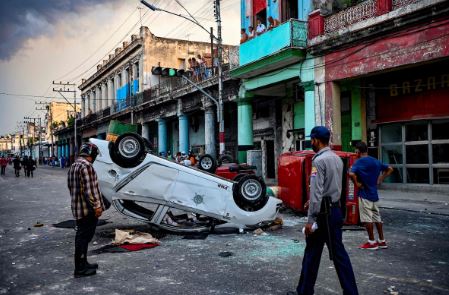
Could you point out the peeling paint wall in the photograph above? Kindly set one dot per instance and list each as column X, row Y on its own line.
column 423, row 43
column 288, row 112
column 172, row 53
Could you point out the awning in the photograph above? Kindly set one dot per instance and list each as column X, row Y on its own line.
column 258, row 6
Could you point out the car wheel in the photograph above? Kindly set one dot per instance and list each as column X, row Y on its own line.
column 238, row 177
column 225, row 159
column 128, row 150
column 207, row 163
column 250, row 193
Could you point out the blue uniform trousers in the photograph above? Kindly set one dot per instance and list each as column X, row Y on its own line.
column 312, row 256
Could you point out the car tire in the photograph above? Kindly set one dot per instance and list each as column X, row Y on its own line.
column 225, row 159
column 128, row 150
column 207, row 163
column 250, row 193
column 238, row 177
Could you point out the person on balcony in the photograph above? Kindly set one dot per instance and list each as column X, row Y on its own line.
column 260, row 27
column 272, row 23
column 243, row 36
column 251, row 34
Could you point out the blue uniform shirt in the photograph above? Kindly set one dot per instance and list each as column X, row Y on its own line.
column 368, row 170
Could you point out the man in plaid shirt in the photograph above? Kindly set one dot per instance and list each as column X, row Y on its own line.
column 87, row 206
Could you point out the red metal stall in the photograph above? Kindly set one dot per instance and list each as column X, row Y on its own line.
column 294, row 170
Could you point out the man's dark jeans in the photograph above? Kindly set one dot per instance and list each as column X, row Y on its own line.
column 85, row 230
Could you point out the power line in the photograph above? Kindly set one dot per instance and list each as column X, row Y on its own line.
column 126, row 35
column 101, row 46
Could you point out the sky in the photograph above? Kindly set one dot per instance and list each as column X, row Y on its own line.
column 64, row 40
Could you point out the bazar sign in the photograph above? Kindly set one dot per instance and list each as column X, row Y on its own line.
column 419, row 85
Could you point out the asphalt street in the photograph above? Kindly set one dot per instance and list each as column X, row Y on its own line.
column 38, row 260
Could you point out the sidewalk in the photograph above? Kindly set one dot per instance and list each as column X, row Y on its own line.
column 429, row 202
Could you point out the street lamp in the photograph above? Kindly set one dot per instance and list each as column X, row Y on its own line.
column 219, row 102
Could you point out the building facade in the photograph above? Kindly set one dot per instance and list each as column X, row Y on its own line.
column 276, row 97
column 382, row 67
column 171, row 113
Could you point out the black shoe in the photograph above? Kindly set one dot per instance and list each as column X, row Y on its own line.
column 91, row 265
column 85, row 272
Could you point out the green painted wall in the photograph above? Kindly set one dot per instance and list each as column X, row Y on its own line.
column 245, row 126
column 356, row 111
column 299, row 116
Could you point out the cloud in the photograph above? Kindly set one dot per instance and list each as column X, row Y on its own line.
column 21, row 20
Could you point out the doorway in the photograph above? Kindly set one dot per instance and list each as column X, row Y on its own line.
column 289, row 9
column 271, row 171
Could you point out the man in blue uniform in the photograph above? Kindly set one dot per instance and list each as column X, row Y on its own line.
column 325, row 182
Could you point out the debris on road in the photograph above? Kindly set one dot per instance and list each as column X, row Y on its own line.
column 122, row 248
column 392, row 291
column 133, row 237
column 38, row 224
column 225, row 254
column 259, row 232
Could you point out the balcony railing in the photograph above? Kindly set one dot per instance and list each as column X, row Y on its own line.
column 291, row 34
column 400, row 3
column 360, row 12
column 167, row 89
column 349, row 16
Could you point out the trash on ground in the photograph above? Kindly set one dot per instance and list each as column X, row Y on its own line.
column 225, row 254
column 274, row 227
column 258, row 232
column 278, row 221
column 133, row 237
column 122, row 248
column 38, row 224
column 392, row 290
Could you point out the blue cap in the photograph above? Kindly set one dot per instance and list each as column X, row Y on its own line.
column 320, row 132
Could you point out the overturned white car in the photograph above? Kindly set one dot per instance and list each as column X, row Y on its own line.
column 153, row 189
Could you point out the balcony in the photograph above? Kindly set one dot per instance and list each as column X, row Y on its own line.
column 370, row 17
column 273, row 49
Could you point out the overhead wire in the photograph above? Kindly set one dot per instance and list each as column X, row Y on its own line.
column 101, row 46
column 124, row 37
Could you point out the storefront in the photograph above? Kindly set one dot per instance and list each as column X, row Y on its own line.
column 412, row 117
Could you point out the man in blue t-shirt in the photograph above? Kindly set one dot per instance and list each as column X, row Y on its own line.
column 367, row 173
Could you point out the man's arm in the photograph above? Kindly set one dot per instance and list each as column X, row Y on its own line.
column 91, row 191
column 355, row 180
column 316, row 192
column 387, row 172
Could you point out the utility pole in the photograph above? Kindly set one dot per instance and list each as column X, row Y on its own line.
column 34, row 134
column 191, row 18
column 66, row 88
column 221, row 134
column 47, row 107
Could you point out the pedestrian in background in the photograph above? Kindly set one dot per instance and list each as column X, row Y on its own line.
column 3, row 163
column 16, row 162
column 325, row 184
column 87, row 206
column 31, row 165
column 367, row 173
column 25, row 165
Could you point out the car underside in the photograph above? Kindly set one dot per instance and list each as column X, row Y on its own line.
column 174, row 197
